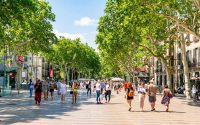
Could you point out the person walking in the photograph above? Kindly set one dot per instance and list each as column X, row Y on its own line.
column 194, row 91
column 75, row 92
column 152, row 90
column 89, row 88
column 45, row 86
column 117, row 86
column 98, row 92
column 58, row 86
column 51, row 88
column 142, row 93
column 108, row 91
column 38, row 92
column 167, row 95
column 63, row 90
column 102, row 93
column 130, row 95
column 81, row 85
column 31, row 86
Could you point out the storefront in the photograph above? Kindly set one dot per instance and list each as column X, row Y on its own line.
column 7, row 79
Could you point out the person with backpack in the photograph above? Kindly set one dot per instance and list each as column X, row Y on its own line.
column 130, row 95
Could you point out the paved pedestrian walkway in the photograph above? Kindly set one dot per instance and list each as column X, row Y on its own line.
column 22, row 111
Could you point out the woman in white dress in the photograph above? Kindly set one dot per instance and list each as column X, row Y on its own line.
column 63, row 90
column 141, row 93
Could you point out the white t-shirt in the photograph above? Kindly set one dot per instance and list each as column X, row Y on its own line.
column 141, row 90
column 63, row 88
column 108, row 87
column 194, row 90
column 98, row 86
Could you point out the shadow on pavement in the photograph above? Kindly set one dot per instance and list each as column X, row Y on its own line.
column 189, row 102
column 24, row 109
column 159, row 111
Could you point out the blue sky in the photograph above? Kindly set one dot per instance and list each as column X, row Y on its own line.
column 77, row 18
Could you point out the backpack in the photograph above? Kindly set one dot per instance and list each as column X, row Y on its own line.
column 131, row 93
column 51, row 86
column 87, row 86
column 38, row 88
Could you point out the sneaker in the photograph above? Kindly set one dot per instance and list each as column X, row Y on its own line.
column 153, row 109
column 129, row 109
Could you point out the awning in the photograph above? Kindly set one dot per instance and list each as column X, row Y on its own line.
column 8, row 69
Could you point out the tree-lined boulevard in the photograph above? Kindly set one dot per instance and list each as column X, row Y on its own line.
column 21, row 111
column 138, row 41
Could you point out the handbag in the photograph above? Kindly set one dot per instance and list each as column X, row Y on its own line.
column 170, row 95
column 71, row 92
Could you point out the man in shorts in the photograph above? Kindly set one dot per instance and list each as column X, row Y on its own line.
column 152, row 90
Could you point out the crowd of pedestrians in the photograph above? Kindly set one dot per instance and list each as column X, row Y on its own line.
column 103, row 90
column 149, row 90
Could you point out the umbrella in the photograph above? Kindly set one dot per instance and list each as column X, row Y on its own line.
column 82, row 79
column 117, row 79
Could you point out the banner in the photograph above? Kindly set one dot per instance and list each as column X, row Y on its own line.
column 51, row 73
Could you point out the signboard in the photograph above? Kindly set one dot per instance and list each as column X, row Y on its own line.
column 51, row 73
column 20, row 59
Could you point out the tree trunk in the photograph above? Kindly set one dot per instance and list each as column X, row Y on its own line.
column 72, row 74
column 168, row 72
column 32, row 66
column 185, row 67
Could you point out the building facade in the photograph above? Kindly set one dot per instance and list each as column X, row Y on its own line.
column 157, row 70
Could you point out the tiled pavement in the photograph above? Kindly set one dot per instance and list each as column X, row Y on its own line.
column 22, row 111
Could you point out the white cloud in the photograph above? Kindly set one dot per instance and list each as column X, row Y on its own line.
column 85, row 21
column 70, row 35
column 85, row 37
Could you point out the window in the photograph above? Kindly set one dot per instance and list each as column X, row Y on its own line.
column 187, row 56
column 195, row 56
